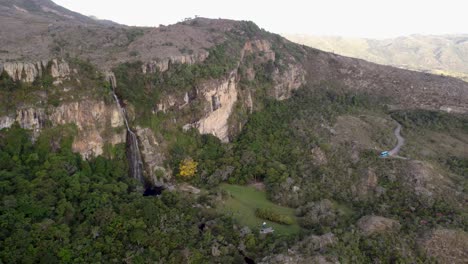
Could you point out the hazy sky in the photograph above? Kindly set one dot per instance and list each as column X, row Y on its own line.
column 359, row 18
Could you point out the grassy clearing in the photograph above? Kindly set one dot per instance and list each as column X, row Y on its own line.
column 243, row 202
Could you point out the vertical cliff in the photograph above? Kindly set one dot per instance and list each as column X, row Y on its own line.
column 97, row 122
column 220, row 95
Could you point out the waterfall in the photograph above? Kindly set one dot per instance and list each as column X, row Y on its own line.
column 133, row 150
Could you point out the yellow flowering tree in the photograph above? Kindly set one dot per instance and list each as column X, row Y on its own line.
column 188, row 168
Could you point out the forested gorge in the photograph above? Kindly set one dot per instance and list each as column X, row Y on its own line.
column 312, row 161
column 57, row 207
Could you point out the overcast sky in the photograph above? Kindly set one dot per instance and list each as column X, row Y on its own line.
column 355, row 18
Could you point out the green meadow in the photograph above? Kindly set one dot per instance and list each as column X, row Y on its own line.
column 244, row 200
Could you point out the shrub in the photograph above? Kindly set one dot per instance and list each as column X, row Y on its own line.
column 188, row 168
column 273, row 216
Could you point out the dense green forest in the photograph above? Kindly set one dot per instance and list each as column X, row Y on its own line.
column 57, row 207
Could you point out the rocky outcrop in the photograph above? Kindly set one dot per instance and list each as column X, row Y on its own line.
column 60, row 70
column 28, row 71
column 6, row 122
column 92, row 119
column 290, row 77
column 429, row 184
column 163, row 65
column 318, row 157
column 221, row 95
column 371, row 224
column 446, row 245
column 288, row 80
column 28, row 118
column 31, row 118
column 23, row 71
column 152, row 154
column 261, row 47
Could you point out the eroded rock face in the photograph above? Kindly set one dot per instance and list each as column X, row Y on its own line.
column 29, row 71
column 59, row 70
column 221, row 97
column 6, row 122
column 92, row 118
column 285, row 80
column 164, row 64
column 152, row 154
column 24, row 71
column 288, row 80
column 259, row 46
column 446, row 245
column 31, row 118
column 371, row 224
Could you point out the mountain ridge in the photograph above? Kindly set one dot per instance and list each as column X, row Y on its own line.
column 96, row 119
column 438, row 54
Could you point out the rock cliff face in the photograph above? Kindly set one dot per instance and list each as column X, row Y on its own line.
column 28, row 118
column 290, row 79
column 92, row 119
column 259, row 46
column 221, row 97
column 28, row 71
column 6, row 122
column 163, row 65
column 151, row 152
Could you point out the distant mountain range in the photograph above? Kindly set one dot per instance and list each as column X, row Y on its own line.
column 445, row 54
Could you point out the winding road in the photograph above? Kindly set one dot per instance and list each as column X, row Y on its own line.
column 400, row 139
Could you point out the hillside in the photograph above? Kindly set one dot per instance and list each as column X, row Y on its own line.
column 445, row 55
column 127, row 144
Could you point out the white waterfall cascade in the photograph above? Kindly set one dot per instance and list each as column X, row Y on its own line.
column 133, row 150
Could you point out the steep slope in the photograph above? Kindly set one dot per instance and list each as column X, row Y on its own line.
column 444, row 54
column 202, row 73
column 223, row 102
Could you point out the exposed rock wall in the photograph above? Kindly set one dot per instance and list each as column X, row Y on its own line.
column 60, row 70
column 221, row 97
column 6, row 122
column 28, row 71
column 164, row 64
column 259, row 46
column 28, row 118
column 288, row 80
column 152, row 153
column 92, row 119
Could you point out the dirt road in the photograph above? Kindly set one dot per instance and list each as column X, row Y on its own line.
column 400, row 139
